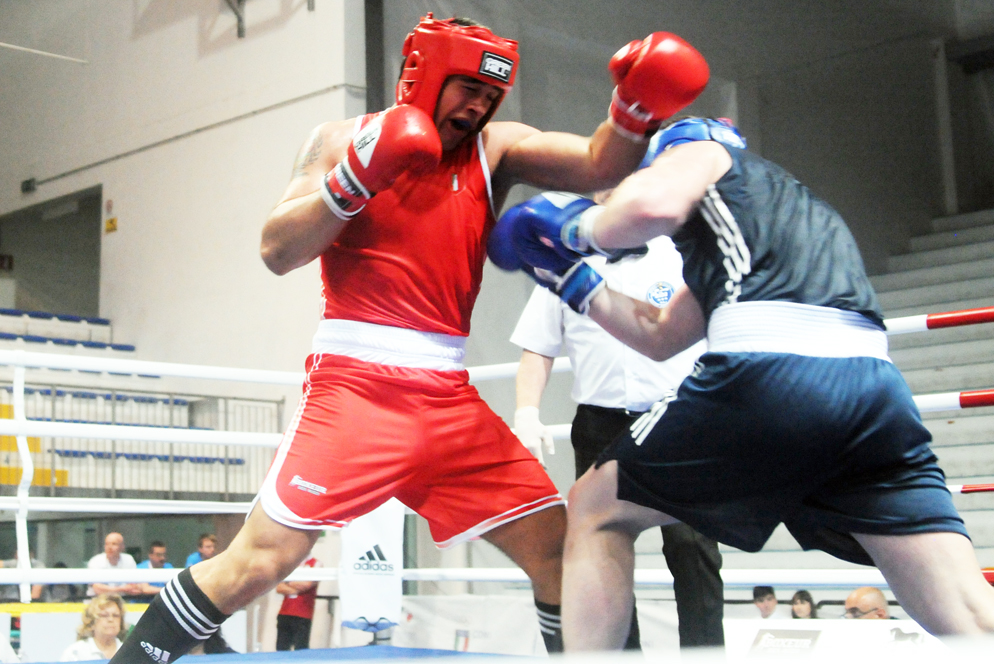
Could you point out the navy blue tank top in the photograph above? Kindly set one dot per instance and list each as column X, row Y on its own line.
column 760, row 235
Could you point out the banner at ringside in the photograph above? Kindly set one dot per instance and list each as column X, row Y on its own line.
column 371, row 568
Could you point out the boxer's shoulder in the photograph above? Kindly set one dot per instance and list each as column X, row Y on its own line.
column 706, row 161
column 501, row 137
column 323, row 148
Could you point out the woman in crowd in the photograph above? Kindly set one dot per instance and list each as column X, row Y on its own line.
column 102, row 630
column 802, row 605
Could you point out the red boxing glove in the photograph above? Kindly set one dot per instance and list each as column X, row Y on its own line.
column 656, row 77
column 401, row 138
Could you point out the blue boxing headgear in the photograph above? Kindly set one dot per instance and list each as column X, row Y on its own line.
column 693, row 129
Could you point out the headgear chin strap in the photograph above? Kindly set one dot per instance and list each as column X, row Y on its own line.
column 693, row 129
column 436, row 50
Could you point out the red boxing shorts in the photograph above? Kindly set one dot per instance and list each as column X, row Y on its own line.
column 366, row 432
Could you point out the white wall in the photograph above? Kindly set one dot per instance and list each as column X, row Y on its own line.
column 181, row 278
column 861, row 131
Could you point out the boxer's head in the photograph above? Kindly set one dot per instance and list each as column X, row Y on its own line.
column 436, row 50
column 693, row 129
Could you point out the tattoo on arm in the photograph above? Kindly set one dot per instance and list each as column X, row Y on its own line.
column 308, row 155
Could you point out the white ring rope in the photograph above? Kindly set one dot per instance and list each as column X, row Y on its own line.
column 126, row 505
column 23, row 358
column 732, row 578
column 140, row 433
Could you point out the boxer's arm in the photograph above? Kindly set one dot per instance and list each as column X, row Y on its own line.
column 301, row 226
column 656, row 333
column 533, row 375
column 658, row 200
column 557, row 160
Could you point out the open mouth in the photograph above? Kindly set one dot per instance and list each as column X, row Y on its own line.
column 462, row 125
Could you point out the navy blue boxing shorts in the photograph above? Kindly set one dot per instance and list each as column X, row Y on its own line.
column 827, row 446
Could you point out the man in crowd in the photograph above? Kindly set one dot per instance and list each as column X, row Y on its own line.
column 866, row 603
column 794, row 415
column 765, row 600
column 398, row 206
column 11, row 592
column 113, row 557
column 206, row 548
column 156, row 559
column 293, row 622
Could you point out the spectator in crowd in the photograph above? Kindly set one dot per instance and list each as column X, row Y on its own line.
column 11, row 592
column 802, row 605
column 766, row 601
column 206, row 548
column 102, row 630
column 113, row 557
column 156, row 560
column 64, row 592
column 293, row 623
column 866, row 603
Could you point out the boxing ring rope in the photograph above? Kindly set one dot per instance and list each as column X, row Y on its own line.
column 924, row 322
column 22, row 503
column 734, row 578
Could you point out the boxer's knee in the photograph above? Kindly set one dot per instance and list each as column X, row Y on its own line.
column 533, row 540
column 262, row 554
column 594, row 506
column 593, row 499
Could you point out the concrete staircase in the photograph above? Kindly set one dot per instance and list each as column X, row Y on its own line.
column 949, row 269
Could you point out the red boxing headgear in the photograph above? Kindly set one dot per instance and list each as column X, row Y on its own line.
column 435, row 50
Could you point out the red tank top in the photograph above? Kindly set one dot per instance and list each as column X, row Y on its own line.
column 413, row 258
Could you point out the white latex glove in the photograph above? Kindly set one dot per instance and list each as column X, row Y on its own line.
column 532, row 433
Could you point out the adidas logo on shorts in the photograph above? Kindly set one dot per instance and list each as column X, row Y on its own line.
column 373, row 561
column 157, row 654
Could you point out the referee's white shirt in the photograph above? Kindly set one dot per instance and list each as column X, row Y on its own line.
column 607, row 372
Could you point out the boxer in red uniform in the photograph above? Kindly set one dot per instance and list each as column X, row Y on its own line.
column 398, row 206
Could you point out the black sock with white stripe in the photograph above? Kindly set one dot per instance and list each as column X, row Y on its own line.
column 550, row 624
column 180, row 617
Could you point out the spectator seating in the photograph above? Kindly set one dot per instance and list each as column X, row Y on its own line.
column 61, row 331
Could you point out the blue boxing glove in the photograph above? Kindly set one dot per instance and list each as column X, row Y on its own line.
column 557, row 221
column 522, row 235
column 530, row 236
column 577, row 286
column 500, row 244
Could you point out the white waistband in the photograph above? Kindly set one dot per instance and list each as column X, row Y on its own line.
column 394, row 346
column 799, row 329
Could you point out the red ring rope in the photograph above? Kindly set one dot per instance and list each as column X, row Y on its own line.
column 956, row 318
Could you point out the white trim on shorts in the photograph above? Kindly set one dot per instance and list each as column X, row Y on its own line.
column 510, row 515
column 392, row 346
column 268, row 495
column 798, row 329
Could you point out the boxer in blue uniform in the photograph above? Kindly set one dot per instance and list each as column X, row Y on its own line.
column 795, row 415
